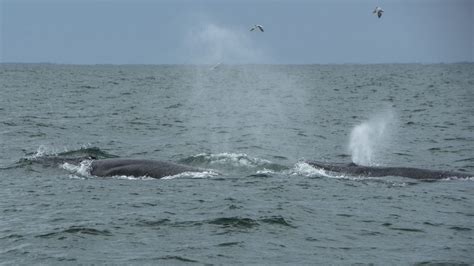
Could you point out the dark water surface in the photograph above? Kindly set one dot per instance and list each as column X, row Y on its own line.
column 251, row 126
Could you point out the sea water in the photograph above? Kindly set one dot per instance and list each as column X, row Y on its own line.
column 251, row 127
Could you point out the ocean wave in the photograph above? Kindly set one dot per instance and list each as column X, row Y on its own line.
column 233, row 222
column 471, row 178
column 80, row 230
column 49, row 155
column 94, row 152
column 232, row 160
column 50, row 151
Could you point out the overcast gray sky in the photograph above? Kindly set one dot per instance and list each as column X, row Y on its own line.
column 212, row 31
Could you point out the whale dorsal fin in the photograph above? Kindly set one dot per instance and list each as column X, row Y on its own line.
column 352, row 164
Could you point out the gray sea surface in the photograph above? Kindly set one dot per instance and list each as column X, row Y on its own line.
column 252, row 126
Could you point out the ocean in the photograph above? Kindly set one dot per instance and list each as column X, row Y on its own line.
column 252, row 127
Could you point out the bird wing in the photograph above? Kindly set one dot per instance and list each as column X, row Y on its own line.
column 261, row 28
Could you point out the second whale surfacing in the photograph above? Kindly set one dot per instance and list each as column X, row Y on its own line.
column 138, row 168
column 376, row 171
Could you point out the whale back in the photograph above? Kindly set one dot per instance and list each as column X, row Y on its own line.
column 138, row 168
column 375, row 171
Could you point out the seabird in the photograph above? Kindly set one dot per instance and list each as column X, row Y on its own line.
column 257, row 27
column 378, row 11
column 216, row 66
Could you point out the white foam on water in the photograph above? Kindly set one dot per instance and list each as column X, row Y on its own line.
column 265, row 171
column 126, row 177
column 83, row 169
column 458, row 178
column 305, row 169
column 204, row 174
column 43, row 150
column 71, row 176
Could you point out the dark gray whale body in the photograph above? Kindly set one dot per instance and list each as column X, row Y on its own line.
column 138, row 168
column 359, row 170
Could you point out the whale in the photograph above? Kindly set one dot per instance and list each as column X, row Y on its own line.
column 138, row 168
column 353, row 169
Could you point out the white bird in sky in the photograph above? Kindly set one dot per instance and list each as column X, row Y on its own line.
column 257, row 27
column 378, row 11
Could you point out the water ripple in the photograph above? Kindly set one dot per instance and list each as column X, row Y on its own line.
column 80, row 230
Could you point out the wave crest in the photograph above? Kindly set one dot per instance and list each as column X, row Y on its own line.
column 231, row 161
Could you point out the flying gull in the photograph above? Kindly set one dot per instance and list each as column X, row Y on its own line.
column 257, row 27
column 378, row 11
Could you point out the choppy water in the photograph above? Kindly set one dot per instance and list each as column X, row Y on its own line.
column 253, row 125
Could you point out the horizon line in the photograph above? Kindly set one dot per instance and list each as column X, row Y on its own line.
column 230, row 64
